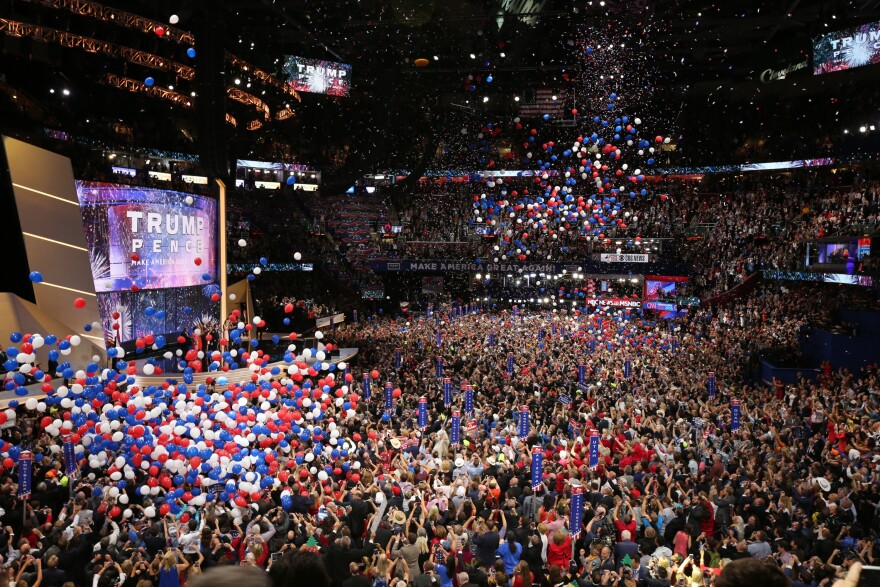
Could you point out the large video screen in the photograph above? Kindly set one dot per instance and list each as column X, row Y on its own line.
column 663, row 287
column 318, row 77
column 153, row 257
column 143, row 238
column 847, row 48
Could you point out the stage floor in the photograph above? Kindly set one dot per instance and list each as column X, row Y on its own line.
column 142, row 381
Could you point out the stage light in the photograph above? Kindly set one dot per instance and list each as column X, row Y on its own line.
column 479, row 276
column 503, row 55
column 485, row 99
column 516, row 98
column 237, row 82
column 473, row 56
column 863, row 129
column 170, row 87
column 52, row 91
column 66, row 92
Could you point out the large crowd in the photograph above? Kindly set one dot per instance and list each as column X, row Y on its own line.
column 296, row 472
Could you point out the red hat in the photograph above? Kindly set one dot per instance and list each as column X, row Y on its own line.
column 395, row 490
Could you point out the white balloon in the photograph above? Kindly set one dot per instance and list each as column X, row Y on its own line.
column 242, row 242
column 174, row 20
column 297, row 256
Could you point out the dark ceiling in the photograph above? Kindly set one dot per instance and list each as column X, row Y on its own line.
column 663, row 52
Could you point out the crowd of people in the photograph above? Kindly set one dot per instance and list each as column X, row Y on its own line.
column 296, row 471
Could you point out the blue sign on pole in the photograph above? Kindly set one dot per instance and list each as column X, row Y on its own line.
column 25, row 474
column 398, row 360
column 627, row 369
column 594, row 449
column 366, row 385
column 469, row 400
column 582, row 374
column 389, row 398
column 439, row 340
column 523, row 431
column 70, row 468
column 735, row 415
column 577, row 510
column 439, row 367
column 423, row 413
column 447, row 392
column 537, row 466
column 711, row 387
column 491, row 340
column 510, row 364
column 455, row 436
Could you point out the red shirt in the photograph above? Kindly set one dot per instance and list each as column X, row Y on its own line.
column 559, row 554
column 621, row 527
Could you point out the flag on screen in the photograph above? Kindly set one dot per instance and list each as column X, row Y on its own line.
column 535, row 103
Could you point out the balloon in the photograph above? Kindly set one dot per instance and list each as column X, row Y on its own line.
column 174, row 19
column 297, row 256
column 149, row 82
column 36, row 277
column 160, row 31
column 79, row 303
column 242, row 242
column 191, row 53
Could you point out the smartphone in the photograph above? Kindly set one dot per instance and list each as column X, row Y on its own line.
column 870, row 576
column 322, row 513
column 275, row 556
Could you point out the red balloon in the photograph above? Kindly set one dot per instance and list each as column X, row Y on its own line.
column 135, row 257
column 79, row 303
column 160, row 31
column 375, row 374
column 164, row 509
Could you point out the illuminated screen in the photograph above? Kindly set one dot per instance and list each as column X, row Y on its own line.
column 153, row 259
column 846, row 49
column 318, row 77
column 148, row 238
column 659, row 289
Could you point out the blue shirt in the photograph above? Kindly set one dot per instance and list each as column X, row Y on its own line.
column 511, row 559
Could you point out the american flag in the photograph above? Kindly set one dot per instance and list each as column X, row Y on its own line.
column 540, row 102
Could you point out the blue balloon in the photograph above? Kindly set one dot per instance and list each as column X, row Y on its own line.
column 191, row 53
column 291, row 180
column 36, row 277
column 149, row 82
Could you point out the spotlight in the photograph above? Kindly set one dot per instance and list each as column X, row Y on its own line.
column 66, row 92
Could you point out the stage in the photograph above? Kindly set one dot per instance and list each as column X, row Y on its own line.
column 142, row 381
